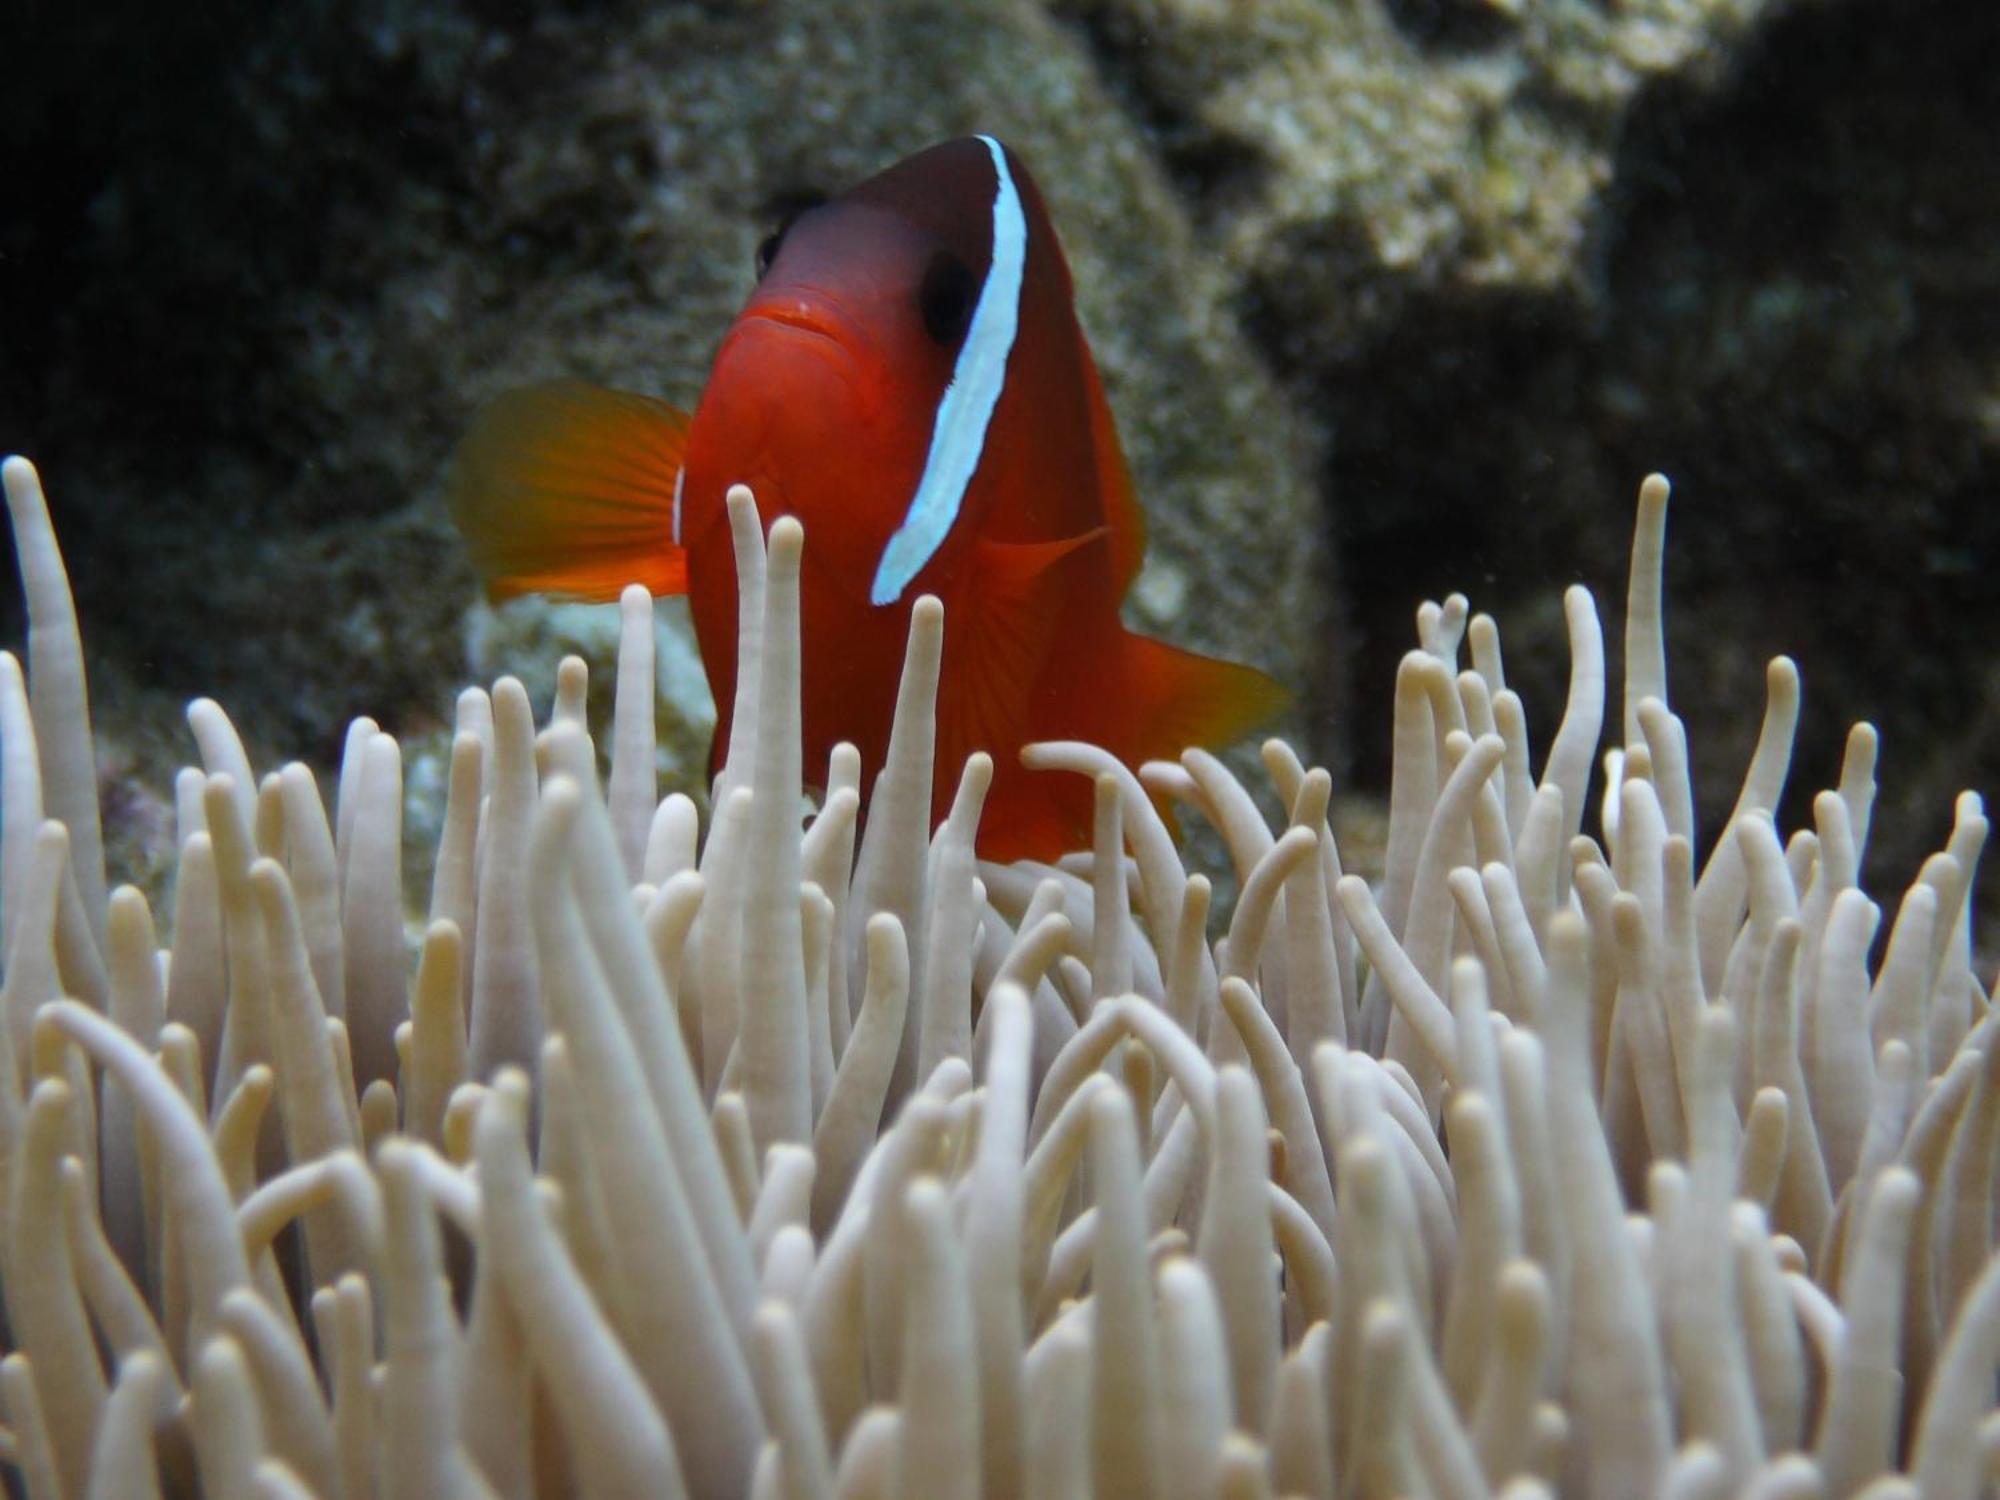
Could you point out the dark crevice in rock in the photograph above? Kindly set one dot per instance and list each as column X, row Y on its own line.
column 195, row 282
column 1797, row 320
column 1212, row 172
column 1452, row 28
column 1215, row 174
column 184, row 215
column 1436, row 489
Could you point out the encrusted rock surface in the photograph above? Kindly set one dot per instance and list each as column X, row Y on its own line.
column 467, row 204
column 1510, row 257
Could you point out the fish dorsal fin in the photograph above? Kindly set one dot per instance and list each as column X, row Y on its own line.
column 998, row 639
column 1114, row 483
column 570, row 490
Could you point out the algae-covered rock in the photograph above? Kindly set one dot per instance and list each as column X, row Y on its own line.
column 373, row 217
column 1513, row 256
column 1358, row 157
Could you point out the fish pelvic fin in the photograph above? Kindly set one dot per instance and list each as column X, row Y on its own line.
column 999, row 640
column 569, row 490
column 1000, row 635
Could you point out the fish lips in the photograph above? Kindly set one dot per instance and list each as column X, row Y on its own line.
column 797, row 371
column 792, row 327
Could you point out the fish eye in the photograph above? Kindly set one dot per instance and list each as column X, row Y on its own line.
column 767, row 251
column 946, row 296
column 788, row 208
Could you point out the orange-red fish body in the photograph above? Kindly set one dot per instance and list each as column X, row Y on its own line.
column 910, row 380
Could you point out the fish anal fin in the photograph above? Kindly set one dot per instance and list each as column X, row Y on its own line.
column 1150, row 701
column 567, row 489
column 1139, row 698
column 1126, row 522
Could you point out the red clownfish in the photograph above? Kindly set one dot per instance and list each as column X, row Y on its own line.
column 909, row 379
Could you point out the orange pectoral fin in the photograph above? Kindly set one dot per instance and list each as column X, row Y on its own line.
column 998, row 639
column 567, row 489
column 998, row 646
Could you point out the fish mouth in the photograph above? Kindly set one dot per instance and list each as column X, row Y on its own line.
column 815, row 318
column 812, row 353
column 818, row 326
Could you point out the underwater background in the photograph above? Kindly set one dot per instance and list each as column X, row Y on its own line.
column 1390, row 298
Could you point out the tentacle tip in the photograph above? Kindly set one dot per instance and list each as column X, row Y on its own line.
column 23, row 483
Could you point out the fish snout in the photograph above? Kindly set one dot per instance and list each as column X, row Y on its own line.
column 810, row 320
column 796, row 410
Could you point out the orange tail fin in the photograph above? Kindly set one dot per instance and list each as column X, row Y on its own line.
column 568, row 489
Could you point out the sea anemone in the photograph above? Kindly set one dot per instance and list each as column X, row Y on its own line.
column 812, row 1158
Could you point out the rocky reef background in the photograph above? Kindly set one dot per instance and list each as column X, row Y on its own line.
column 1392, row 297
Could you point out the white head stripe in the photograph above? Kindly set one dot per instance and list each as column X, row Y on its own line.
column 959, row 437
column 680, row 482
